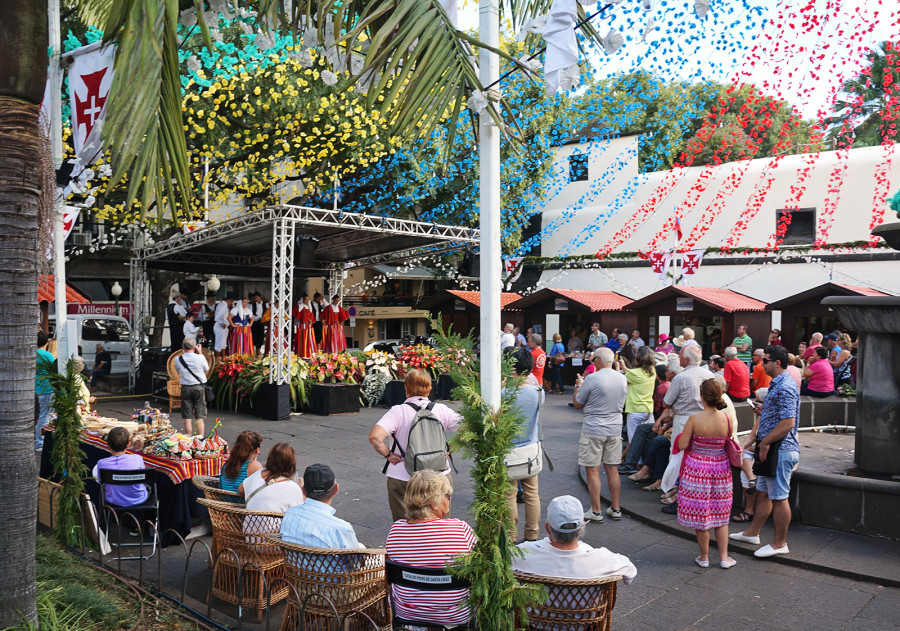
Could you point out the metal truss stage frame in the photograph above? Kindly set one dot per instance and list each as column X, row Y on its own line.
column 262, row 244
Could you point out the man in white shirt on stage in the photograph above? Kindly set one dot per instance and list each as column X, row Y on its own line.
column 221, row 327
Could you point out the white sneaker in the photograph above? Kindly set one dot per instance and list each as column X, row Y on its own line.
column 592, row 516
column 740, row 536
column 768, row 551
column 614, row 513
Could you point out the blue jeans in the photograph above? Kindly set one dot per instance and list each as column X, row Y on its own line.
column 658, row 456
column 556, row 378
column 639, row 446
column 43, row 418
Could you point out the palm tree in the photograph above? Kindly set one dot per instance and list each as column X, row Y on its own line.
column 868, row 107
column 420, row 71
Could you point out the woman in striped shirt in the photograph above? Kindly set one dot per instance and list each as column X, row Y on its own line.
column 426, row 539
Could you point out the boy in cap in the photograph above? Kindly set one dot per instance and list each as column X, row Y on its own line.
column 563, row 555
column 313, row 523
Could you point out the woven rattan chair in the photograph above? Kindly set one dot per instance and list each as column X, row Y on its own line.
column 351, row 579
column 209, row 485
column 573, row 604
column 244, row 532
column 173, row 385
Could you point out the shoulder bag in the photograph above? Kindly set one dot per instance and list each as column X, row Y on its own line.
column 208, row 391
column 732, row 448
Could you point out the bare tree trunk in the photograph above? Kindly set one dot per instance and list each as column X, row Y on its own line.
column 23, row 73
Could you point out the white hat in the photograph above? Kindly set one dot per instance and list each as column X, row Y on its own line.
column 565, row 514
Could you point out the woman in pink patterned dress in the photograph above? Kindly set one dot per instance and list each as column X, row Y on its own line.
column 705, row 490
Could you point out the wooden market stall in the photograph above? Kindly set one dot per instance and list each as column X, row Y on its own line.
column 576, row 309
column 462, row 309
column 713, row 313
column 804, row 314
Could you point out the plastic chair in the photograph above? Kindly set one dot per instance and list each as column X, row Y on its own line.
column 130, row 477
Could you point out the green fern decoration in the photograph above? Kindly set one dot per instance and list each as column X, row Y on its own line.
column 67, row 457
column 485, row 437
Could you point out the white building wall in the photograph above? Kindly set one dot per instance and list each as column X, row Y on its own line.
column 580, row 217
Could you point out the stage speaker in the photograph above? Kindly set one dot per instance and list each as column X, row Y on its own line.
column 305, row 251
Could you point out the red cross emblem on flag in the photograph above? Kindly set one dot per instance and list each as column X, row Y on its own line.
column 690, row 262
column 658, row 261
column 88, row 110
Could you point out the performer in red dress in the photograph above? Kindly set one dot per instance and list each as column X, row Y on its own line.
column 305, row 341
column 333, row 317
column 240, row 342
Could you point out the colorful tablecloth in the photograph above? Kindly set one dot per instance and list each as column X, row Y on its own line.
column 177, row 470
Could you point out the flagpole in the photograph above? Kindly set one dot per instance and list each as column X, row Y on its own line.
column 59, row 251
column 489, row 209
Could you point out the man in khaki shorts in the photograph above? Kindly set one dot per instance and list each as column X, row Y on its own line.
column 601, row 397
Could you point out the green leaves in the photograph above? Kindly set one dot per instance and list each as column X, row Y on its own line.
column 144, row 130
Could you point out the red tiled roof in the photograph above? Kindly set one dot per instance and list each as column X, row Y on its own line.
column 862, row 291
column 474, row 297
column 724, row 299
column 47, row 292
column 596, row 300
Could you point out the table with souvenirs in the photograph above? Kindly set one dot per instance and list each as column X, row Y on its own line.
column 175, row 458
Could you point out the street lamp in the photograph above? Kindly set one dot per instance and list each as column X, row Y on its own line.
column 116, row 291
column 213, row 283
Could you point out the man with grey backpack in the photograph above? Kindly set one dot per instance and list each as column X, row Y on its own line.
column 417, row 429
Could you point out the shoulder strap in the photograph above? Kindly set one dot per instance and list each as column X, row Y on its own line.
column 188, row 368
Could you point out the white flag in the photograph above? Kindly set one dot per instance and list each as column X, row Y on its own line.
column 512, row 268
column 690, row 261
column 90, row 78
column 659, row 263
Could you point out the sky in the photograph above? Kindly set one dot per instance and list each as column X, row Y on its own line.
column 800, row 51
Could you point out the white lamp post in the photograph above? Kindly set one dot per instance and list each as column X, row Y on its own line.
column 116, row 291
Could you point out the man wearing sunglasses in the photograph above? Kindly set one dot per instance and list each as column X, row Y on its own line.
column 777, row 423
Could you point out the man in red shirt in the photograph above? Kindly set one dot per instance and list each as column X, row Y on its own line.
column 759, row 378
column 815, row 341
column 540, row 357
column 737, row 376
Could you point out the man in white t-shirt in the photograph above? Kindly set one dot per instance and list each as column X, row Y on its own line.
column 508, row 338
column 602, row 398
column 561, row 554
column 395, row 424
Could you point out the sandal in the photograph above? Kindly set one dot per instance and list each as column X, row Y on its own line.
column 634, row 477
column 668, row 500
column 668, row 494
column 751, row 487
column 652, row 487
column 742, row 517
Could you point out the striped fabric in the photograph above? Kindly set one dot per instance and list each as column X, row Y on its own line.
column 240, row 342
column 429, row 544
column 177, row 470
column 705, row 490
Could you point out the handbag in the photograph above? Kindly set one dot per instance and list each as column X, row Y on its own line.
column 208, row 391
column 559, row 359
column 768, row 467
column 525, row 461
column 732, row 448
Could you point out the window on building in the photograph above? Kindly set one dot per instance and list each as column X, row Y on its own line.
column 578, row 167
column 802, row 227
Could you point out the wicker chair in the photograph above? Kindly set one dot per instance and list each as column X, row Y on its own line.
column 573, row 604
column 244, row 532
column 173, row 385
column 209, row 485
column 352, row 579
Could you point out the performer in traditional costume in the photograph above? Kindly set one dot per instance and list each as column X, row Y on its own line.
column 305, row 338
column 271, row 319
column 241, row 340
column 333, row 317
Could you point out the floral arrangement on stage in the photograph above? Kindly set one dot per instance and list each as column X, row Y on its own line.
column 238, row 378
column 420, row 356
column 335, row 368
column 381, row 367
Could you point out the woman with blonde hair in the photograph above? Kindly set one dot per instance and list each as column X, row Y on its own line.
column 557, row 359
column 426, row 538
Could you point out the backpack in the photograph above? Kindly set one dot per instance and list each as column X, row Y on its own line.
column 426, row 445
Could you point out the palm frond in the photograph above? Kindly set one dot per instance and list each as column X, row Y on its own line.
column 144, row 129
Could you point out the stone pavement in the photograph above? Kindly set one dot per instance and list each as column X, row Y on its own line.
column 670, row 591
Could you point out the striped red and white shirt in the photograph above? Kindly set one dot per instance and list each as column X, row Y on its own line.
column 429, row 544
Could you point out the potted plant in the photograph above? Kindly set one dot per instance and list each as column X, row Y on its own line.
column 334, row 383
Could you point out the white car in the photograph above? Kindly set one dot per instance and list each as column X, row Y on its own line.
column 113, row 332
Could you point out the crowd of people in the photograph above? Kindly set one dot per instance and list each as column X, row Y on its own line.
column 245, row 326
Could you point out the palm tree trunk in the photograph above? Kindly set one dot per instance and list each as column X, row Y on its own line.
column 23, row 72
